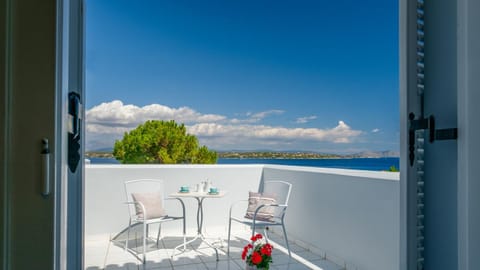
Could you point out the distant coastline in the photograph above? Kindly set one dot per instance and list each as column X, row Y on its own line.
column 275, row 155
column 370, row 164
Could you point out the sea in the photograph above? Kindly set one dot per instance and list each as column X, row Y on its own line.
column 369, row 164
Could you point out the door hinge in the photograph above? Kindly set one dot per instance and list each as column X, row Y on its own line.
column 433, row 134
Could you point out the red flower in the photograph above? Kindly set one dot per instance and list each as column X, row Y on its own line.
column 256, row 258
column 244, row 254
column 256, row 237
column 266, row 250
column 261, row 253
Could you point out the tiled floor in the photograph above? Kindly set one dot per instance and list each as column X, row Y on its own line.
column 101, row 253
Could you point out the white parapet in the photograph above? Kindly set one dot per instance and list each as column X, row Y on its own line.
column 351, row 216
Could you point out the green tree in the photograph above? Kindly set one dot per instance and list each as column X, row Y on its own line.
column 393, row 169
column 162, row 142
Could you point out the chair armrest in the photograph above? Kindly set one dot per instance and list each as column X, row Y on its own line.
column 271, row 204
column 284, row 206
column 181, row 202
column 265, row 205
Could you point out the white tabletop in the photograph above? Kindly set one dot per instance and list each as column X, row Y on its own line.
column 192, row 194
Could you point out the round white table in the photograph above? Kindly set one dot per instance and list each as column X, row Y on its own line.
column 199, row 196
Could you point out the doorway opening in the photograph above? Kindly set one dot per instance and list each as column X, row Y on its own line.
column 286, row 82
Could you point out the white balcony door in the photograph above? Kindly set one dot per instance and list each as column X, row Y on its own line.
column 444, row 187
column 40, row 62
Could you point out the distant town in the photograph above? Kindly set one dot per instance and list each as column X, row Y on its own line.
column 275, row 155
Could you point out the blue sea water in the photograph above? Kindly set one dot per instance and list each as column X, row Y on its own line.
column 370, row 164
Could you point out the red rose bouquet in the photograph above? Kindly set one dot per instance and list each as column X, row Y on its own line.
column 258, row 253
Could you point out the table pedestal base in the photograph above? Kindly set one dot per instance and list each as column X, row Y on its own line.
column 199, row 197
column 198, row 236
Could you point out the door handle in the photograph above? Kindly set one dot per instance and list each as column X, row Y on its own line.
column 74, row 130
column 45, row 153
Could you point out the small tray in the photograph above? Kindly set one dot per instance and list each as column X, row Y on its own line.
column 183, row 191
column 213, row 193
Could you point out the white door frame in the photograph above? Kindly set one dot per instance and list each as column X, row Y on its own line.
column 408, row 103
column 468, row 63
column 69, row 242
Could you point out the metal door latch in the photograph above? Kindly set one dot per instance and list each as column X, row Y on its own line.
column 433, row 134
column 45, row 168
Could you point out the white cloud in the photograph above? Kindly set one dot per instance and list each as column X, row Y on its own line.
column 341, row 133
column 375, row 130
column 306, row 119
column 220, row 136
column 115, row 113
column 261, row 115
column 256, row 117
column 109, row 121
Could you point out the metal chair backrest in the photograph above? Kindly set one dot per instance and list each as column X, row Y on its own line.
column 281, row 190
column 142, row 186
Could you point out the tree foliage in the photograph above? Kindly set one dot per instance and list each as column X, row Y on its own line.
column 393, row 169
column 162, row 142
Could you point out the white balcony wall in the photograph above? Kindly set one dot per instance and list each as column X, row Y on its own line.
column 352, row 216
column 106, row 213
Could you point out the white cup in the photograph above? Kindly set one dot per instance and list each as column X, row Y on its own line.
column 206, row 188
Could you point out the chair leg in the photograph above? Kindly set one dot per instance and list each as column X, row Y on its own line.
column 144, row 242
column 184, row 234
column 286, row 239
column 229, row 231
column 158, row 234
column 265, row 232
column 184, row 242
column 128, row 234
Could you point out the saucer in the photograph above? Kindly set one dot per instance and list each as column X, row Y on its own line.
column 184, row 191
column 213, row 193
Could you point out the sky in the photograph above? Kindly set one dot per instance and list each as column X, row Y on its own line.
column 318, row 76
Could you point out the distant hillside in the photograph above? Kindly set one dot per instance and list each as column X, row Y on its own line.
column 273, row 154
column 376, row 154
column 304, row 155
column 276, row 155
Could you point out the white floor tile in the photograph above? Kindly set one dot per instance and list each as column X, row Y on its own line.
column 100, row 253
column 223, row 265
column 290, row 266
column 324, row 264
column 198, row 266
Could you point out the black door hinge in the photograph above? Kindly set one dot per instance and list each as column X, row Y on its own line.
column 433, row 134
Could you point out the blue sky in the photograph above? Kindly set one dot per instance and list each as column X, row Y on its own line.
column 247, row 75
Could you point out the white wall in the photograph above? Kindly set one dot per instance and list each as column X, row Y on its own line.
column 105, row 212
column 351, row 215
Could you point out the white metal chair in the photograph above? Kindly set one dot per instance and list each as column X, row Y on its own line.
column 145, row 199
column 281, row 190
